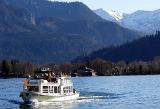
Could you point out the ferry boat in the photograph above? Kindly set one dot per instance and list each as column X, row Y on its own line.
column 45, row 86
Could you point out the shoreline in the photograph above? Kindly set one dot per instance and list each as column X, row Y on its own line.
column 9, row 77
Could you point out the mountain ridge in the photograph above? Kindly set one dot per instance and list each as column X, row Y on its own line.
column 144, row 21
column 53, row 39
column 61, row 10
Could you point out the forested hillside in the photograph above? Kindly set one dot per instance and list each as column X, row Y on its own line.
column 144, row 49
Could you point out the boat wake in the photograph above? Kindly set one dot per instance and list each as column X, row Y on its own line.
column 85, row 97
column 98, row 95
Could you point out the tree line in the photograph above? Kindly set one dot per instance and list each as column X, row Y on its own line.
column 109, row 68
column 13, row 68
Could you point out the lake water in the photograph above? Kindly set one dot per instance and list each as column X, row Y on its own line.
column 123, row 92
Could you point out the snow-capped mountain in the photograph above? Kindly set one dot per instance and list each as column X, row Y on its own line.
column 116, row 15
column 110, row 15
column 145, row 21
column 102, row 13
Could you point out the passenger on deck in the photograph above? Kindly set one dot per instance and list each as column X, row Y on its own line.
column 49, row 77
column 53, row 74
column 42, row 75
column 46, row 76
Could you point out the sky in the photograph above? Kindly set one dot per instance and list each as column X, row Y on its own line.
column 126, row 6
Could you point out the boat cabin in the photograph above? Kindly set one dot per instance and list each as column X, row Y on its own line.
column 46, row 82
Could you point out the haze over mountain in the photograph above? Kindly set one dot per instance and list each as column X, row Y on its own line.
column 144, row 21
column 29, row 33
column 144, row 49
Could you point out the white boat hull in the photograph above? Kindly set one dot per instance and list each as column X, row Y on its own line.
column 29, row 97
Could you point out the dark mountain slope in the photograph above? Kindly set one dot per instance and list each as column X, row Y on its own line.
column 48, row 39
column 87, row 23
column 105, row 33
column 43, row 48
column 22, row 39
column 75, row 18
column 143, row 49
column 61, row 10
column 13, row 19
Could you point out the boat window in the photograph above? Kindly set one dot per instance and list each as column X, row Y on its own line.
column 45, row 89
column 67, row 89
column 33, row 88
column 55, row 90
column 71, row 88
column 64, row 90
column 58, row 89
column 50, row 89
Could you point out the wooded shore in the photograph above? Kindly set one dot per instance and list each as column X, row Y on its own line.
column 97, row 67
